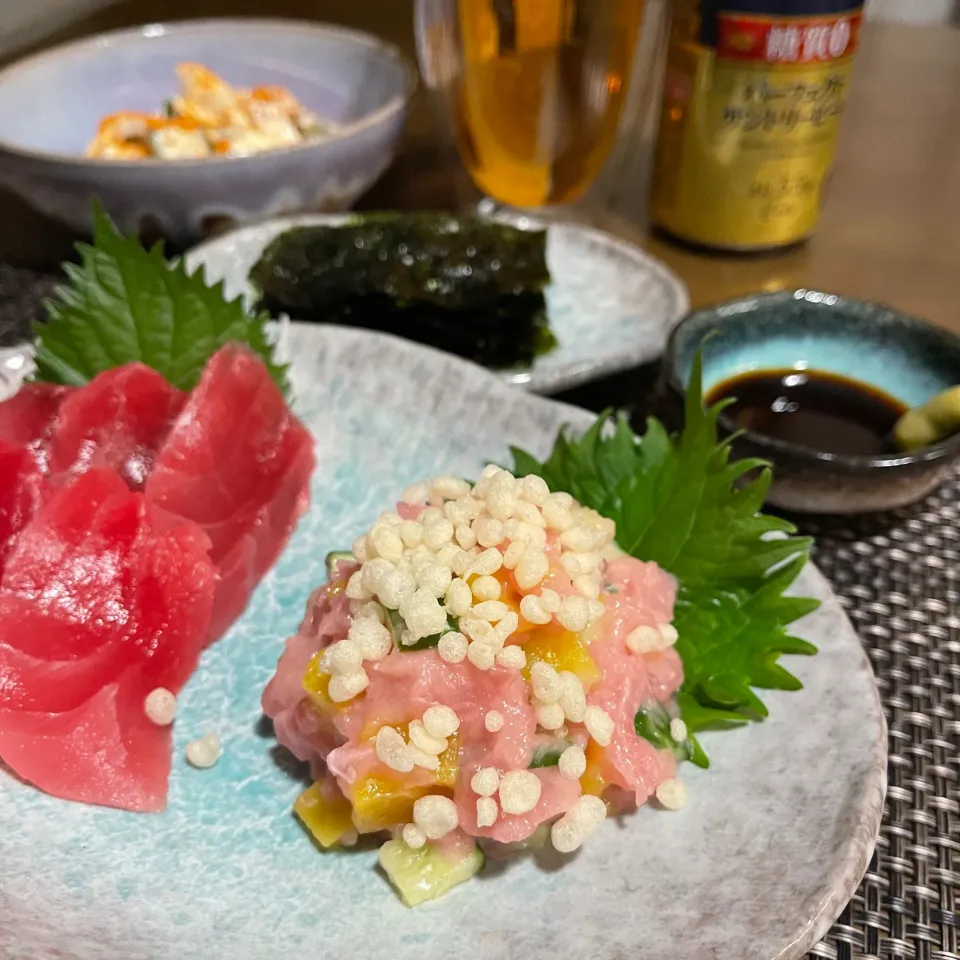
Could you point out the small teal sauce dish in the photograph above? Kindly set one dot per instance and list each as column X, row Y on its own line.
column 52, row 102
column 906, row 358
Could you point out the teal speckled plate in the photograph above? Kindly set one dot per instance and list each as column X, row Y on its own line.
column 773, row 842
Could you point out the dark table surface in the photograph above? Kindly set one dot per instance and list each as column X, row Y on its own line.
column 889, row 227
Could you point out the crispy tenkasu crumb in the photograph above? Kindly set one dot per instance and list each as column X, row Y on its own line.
column 160, row 706
column 205, row 752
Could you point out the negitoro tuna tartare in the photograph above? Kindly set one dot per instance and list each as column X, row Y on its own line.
column 469, row 676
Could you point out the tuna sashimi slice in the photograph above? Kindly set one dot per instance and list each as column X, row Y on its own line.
column 118, row 421
column 28, row 418
column 104, row 598
column 79, row 624
column 104, row 752
column 20, row 494
column 238, row 463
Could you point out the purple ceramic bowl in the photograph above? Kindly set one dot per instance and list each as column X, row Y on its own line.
column 51, row 103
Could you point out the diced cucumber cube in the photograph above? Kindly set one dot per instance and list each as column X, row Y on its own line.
column 426, row 873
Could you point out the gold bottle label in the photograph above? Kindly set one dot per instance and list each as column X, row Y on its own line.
column 751, row 111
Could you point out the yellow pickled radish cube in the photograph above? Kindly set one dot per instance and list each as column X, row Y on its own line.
column 446, row 775
column 563, row 650
column 511, row 596
column 315, row 683
column 592, row 782
column 381, row 802
column 509, row 593
column 327, row 820
column 449, row 764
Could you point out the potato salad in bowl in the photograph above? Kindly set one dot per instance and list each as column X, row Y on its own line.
column 467, row 681
column 269, row 117
column 208, row 118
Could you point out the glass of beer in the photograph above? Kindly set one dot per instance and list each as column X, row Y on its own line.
column 534, row 89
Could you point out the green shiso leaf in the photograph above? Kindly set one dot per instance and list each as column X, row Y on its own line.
column 123, row 303
column 684, row 504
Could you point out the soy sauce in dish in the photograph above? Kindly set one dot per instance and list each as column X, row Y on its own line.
column 812, row 408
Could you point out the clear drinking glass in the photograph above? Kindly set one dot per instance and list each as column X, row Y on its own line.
column 534, row 89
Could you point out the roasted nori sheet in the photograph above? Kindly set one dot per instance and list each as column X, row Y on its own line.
column 465, row 285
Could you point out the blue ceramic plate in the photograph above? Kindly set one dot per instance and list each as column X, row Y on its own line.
column 611, row 305
column 773, row 842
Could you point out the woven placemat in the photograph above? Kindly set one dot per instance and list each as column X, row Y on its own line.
column 898, row 577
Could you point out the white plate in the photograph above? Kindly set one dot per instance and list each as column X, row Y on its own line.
column 611, row 306
column 774, row 840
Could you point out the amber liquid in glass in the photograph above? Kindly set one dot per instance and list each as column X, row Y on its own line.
column 536, row 105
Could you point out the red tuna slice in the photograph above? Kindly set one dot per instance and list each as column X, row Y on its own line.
column 118, row 421
column 98, row 583
column 238, row 463
column 105, row 751
column 28, row 418
column 93, row 616
column 20, row 494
